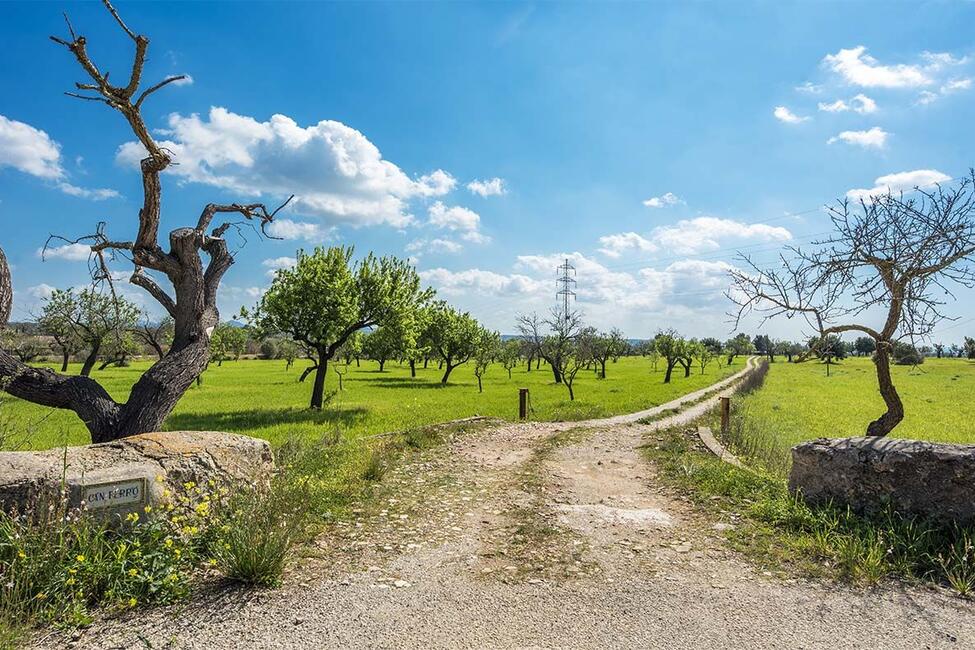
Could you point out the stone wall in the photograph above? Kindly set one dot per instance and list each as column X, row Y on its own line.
column 127, row 474
column 919, row 478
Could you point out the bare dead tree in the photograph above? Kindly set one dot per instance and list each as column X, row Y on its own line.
column 899, row 253
column 194, row 265
column 155, row 335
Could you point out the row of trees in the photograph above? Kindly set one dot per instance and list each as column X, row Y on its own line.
column 91, row 326
column 327, row 300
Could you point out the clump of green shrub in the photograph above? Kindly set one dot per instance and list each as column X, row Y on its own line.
column 256, row 530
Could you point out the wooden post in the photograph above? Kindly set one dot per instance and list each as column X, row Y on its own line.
column 522, row 403
column 725, row 413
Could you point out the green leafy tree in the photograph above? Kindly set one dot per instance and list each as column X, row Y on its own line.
column 969, row 348
column 906, row 354
column 119, row 349
column 24, row 346
column 288, row 350
column 793, row 350
column 454, row 336
column 57, row 322
column 418, row 347
column 618, row 346
column 740, row 345
column 383, row 344
column 672, row 348
column 227, row 342
column 269, row 349
column 764, row 345
column 864, row 346
column 704, row 354
column 327, row 297
column 510, row 354
column 488, row 347
column 713, row 344
column 91, row 317
column 578, row 351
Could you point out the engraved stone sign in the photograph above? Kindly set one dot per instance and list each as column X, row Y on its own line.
column 115, row 494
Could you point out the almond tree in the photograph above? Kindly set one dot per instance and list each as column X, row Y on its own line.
column 326, row 298
column 488, row 346
column 578, row 350
column 672, row 347
column 54, row 324
column 93, row 319
column 156, row 335
column 900, row 254
column 454, row 336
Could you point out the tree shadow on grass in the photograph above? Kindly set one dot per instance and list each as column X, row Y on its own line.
column 256, row 419
column 400, row 382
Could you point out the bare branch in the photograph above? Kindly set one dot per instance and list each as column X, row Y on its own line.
column 140, row 279
column 159, row 85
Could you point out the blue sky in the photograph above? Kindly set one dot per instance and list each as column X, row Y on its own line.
column 646, row 142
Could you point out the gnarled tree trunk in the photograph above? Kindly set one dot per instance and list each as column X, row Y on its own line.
column 193, row 305
column 895, row 408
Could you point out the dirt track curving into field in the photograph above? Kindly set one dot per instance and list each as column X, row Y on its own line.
column 542, row 535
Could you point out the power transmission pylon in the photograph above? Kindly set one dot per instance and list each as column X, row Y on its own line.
column 566, row 282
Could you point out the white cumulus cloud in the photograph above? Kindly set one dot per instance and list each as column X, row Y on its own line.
column 334, row 171
column 482, row 282
column 783, row 114
column 289, row 229
column 459, row 219
column 41, row 291
column 32, row 151
column 280, row 262
column 858, row 68
column 485, row 188
column 69, row 252
column 692, row 236
column 900, row 182
column 616, row 245
column 860, row 104
column 29, row 150
column 875, row 137
column 437, row 245
column 662, row 201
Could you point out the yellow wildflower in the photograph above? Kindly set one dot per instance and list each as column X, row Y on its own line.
column 21, row 554
column 132, row 516
column 80, row 558
column 168, row 542
column 132, row 602
column 159, row 478
column 147, row 509
column 133, row 572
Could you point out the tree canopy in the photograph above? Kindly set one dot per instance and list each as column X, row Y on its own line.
column 328, row 296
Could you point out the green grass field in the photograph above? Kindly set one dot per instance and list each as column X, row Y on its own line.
column 799, row 402
column 262, row 399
